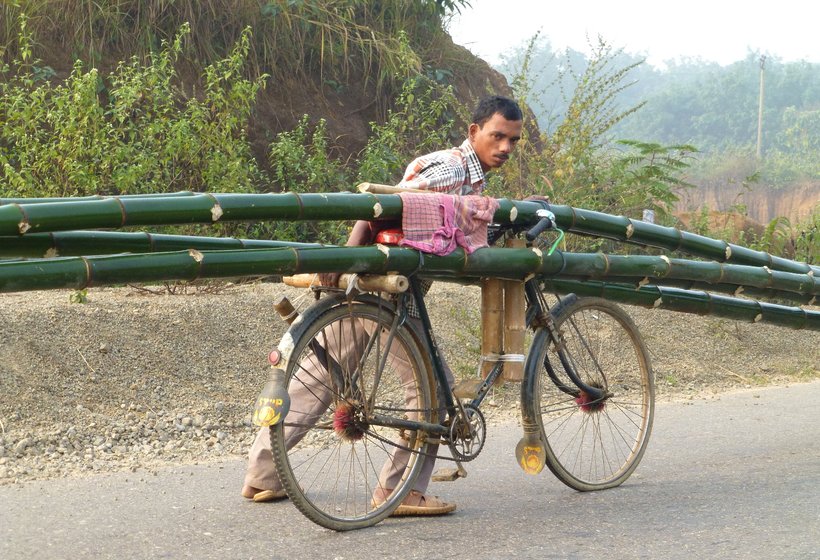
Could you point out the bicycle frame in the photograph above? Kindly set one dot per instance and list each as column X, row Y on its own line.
column 537, row 315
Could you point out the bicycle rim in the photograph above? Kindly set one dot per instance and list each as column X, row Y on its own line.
column 593, row 445
column 331, row 457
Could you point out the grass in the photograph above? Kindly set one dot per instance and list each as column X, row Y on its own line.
column 377, row 42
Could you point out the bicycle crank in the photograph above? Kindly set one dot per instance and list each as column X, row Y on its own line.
column 467, row 434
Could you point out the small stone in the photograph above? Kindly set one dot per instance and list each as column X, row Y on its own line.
column 22, row 445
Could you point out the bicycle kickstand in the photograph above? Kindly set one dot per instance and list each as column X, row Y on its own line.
column 450, row 474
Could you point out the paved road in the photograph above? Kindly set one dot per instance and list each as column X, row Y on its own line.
column 734, row 477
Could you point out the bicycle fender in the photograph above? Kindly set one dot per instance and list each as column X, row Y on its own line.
column 530, row 453
column 306, row 318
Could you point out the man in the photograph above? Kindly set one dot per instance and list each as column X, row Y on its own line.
column 491, row 137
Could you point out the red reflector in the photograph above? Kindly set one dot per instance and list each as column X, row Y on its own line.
column 274, row 357
column 389, row 236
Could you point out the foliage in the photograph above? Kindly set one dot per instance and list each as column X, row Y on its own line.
column 421, row 121
column 132, row 131
column 301, row 161
column 800, row 241
column 698, row 103
column 574, row 163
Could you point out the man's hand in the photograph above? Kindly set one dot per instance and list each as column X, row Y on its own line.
column 329, row 279
column 538, row 198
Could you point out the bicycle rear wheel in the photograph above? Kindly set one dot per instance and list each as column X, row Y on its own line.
column 341, row 468
column 593, row 445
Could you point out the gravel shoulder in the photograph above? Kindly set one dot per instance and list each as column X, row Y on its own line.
column 132, row 381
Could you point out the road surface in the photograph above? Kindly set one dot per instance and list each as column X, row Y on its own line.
column 737, row 476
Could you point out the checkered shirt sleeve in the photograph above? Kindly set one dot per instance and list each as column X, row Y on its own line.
column 454, row 171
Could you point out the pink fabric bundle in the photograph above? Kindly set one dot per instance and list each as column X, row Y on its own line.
column 438, row 223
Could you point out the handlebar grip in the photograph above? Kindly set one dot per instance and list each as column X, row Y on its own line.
column 543, row 224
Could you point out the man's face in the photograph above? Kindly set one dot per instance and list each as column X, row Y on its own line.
column 494, row 142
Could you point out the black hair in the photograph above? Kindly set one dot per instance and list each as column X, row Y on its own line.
column 489, row 106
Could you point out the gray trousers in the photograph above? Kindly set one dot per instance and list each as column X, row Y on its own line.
column 310, row 399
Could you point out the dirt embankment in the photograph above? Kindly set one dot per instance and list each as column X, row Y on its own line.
column 129, row 381
column 760, row 204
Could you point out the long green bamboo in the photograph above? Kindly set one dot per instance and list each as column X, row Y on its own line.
column 115, row 212
column 92, row 197
column 81, row 272
column 616, row 268
column 637, row 232
column 84, row 243
column 688, row 301
column 709, row 276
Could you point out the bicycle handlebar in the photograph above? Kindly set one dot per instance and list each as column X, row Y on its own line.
column 546, row 222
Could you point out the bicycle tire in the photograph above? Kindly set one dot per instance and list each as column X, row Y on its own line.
column 327, row 455
column 593, row 445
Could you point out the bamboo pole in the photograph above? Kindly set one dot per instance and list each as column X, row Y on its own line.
column 81, row 272
column 492, row 322
column 515, row 323
column 93, row 242
column 503, row 263
column 615, row 268
column 390, row 283
column 17, row 218
column 696, row 302
column 92, row 197
column 638, row 232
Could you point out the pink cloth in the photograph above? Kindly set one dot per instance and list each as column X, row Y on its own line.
column 439, row 223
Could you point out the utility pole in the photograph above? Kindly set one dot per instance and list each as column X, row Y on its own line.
column 760, row 107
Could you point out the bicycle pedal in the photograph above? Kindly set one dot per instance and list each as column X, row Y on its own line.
column 449, row 475
column 467, row 388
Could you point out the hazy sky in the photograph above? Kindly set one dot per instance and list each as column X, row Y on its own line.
column 723, row 31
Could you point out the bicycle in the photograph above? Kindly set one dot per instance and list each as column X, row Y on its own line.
column 374, row 395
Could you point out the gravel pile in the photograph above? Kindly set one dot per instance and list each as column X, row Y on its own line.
column 134, row 381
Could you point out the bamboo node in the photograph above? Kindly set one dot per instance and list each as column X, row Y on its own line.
column 666, row 259
column 216, row 212
column 377, row 210
column 538, row 252
column 196, row 255
column 513, row 214
column 630, row 229
column 23, row 227
column 728, row 252
column 383, row 249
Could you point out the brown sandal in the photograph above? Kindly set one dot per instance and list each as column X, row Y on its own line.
column 417, row 504
column 269, row 496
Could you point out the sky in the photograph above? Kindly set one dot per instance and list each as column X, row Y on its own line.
column 722, row 31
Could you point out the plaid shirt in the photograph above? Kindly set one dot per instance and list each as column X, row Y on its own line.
column 453, row 171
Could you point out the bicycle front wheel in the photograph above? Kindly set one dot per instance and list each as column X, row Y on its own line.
column 339, row 453
column 593, row 444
